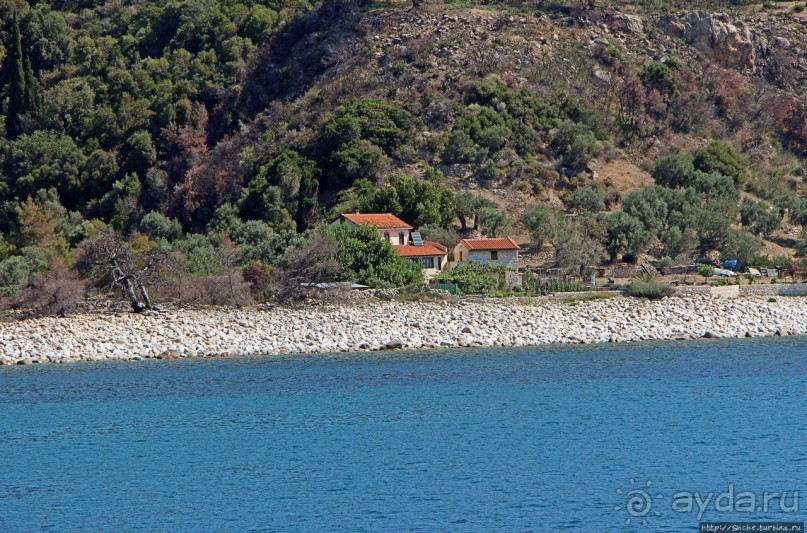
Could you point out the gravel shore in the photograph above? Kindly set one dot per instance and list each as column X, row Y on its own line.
column 391, row 325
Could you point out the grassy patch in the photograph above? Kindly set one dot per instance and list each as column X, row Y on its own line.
column 652, row 290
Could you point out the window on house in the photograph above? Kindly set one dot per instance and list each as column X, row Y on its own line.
column 428, row 262
column 494, row 255
column 386, row 235
column 401, row 238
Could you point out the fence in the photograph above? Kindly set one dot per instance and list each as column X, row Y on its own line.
column 450, row 287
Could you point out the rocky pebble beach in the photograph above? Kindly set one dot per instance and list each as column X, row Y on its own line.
column 391, row 325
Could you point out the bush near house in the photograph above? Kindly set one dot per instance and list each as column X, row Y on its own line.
column 652, row 290
column 473, row 278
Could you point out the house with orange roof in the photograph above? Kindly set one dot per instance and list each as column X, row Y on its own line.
column 499, row 251
column 392, row 228
column 432, row 256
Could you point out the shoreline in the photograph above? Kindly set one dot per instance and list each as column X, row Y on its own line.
column 218, row 332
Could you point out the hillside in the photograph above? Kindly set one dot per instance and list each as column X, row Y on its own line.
column 161, row 121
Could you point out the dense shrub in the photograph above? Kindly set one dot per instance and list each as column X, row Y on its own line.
column 721, row 157
column 56, row 291
column 366, row 258
column 427, row 200
column 758, row 217
column 626, row 234
column 259, row 278
column 587, row 200
column 707, row 271
column 653, row 290
column 159, row 226
column 674, row 170
column 472, row 278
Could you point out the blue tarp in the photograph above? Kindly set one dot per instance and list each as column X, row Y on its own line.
column 731, row 265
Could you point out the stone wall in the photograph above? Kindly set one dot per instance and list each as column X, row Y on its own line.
column 777, row 289
column 733, row 291
column 723, row 291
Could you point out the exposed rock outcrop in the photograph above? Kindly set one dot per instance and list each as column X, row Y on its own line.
column 628, row 23
column 730, row 44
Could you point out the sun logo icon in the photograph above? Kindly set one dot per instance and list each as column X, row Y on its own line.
column 638, row 502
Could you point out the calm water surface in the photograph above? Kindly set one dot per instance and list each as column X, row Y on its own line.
column 534, row 439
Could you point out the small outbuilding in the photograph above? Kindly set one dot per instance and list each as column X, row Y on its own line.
column 497, row 251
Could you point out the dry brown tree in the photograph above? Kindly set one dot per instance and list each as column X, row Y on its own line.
column 306, row 268
column 106, row 258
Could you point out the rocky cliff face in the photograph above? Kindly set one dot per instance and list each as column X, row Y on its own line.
column 730, row 44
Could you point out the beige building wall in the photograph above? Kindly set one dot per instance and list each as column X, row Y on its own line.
column 429, row 273
column 507, row 258
column 396, row 236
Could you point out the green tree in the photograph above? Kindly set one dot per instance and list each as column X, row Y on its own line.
column 359, row 136
column 626, row 234
column 740, row 245
column 17, row 86
column 159, row 226
column 366, row 258
column 759, row 217
column 494, row 222
column 679, row 242
column 652, row 206
column 801, row 246
column 579, row 244
column 460, row 148
column 718, row 156
column 200, row 254
column 587, row 200
column 448, row 237
column 542, row 222
column 674, row 169
column 139, row 153
column 283, row 192
column 259, row 242
column 418, row 201
column 468, row 204
column 45, row 159
column 583, row 149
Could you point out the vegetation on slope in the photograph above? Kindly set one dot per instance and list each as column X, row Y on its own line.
column 225, row 133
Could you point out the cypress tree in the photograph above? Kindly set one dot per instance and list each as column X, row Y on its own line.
column 31, row 98
column 16, row 81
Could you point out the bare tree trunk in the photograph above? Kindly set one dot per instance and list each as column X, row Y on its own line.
column 137, row 307
column 126, row 281
column 145, row 294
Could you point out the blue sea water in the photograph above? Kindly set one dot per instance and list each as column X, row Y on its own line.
column 595, row 438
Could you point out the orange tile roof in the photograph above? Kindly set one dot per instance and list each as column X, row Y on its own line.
column 378, row 220
column 505, row 243
column 428, row 249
